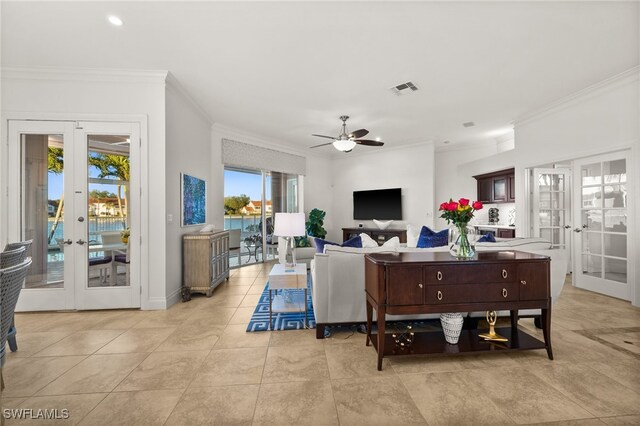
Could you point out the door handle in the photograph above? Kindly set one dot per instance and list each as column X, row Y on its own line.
column 577, row 230
column 567, row 226
column 68, row 241
column 81, row 241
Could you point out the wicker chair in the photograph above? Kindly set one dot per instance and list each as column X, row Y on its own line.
column 13, row 344
column 12, row 257
column 11, row 281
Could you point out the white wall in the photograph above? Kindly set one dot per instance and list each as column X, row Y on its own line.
column 188, row 136
column 600, row 119
column 410, row 168
column 453, row 176
column 83, row 94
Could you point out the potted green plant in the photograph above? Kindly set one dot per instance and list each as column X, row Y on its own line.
column 315, row 222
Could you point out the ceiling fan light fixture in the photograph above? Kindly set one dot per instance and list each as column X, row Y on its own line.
column 344, row 145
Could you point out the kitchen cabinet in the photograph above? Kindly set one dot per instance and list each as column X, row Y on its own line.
column 496, row 187
column 506, row 233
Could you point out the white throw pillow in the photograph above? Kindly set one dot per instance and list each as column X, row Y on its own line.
column 367, row 241
column 412, row 236
column 392, row 243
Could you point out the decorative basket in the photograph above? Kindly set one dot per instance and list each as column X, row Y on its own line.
column 452, row 326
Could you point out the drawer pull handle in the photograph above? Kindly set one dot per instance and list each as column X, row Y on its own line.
column 523, row 282
column 420, row 285
column 504, row 273
column 439, row 295
column 504, row 292
column 439, row 276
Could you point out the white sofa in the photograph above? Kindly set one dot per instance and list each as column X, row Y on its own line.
column 338, row 278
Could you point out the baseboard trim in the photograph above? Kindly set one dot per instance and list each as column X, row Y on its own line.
column 174, row 297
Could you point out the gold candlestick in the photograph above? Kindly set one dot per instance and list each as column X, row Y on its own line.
column 492, row 335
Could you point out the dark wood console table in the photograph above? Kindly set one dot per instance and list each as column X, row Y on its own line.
column 380, row 235
column 436, row 282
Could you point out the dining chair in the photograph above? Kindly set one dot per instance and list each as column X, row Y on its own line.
column 12, row 257
column 26, row 244
column 11, row 282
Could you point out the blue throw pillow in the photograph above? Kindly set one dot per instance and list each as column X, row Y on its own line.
column 486, row 238
column 436, row 239
column 426, row 231
column 352, row 242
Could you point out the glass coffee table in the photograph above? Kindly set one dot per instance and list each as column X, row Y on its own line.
column 287, row 276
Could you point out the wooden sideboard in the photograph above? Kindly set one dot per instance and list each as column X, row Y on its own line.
column 380, row 235
column 436, row 282
column 205, row 262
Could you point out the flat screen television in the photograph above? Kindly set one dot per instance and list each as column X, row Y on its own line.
column 382, row 204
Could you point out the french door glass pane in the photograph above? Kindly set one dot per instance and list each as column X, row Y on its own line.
column 591, row 242
column 107, row 210
column 615, row 270
column 43, row 212
column 591, row 196
column 615, row 171
column 615, row 245
column 593, row 219
column 615, row 220
column 591, row 174
column 592, row 265
column 545, row 217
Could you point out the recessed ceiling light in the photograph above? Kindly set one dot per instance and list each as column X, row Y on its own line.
column 445, row 142
column 115, row 20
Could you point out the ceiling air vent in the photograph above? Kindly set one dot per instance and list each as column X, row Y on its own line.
column 407, row 87
column 469, row 124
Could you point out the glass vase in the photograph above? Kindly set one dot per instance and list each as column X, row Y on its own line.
column 462, row 240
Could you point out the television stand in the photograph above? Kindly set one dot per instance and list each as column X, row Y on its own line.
column 377, row 234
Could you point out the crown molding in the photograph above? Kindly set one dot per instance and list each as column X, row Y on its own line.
column 228, row 132
column 172, row 83
column 467, row 145
column 85, row 74
column 624, row 77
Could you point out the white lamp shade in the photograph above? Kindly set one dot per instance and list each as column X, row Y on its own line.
column 289, row 225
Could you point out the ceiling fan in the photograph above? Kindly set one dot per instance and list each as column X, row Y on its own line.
column 346, row 141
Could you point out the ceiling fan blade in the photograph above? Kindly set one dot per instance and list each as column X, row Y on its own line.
column 368, row 142
column 322, row 144
column 358, row 133
column 323, row 136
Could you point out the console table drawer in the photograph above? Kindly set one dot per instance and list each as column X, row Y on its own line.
column 463, row 274
column 461, row 293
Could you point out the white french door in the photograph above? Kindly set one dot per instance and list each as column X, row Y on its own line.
column 602, row 247
column 551, row 207
column 64, row 177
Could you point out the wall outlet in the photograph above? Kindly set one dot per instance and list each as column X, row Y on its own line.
column 169, row 218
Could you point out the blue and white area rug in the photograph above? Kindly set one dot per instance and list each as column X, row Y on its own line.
column 281, row 320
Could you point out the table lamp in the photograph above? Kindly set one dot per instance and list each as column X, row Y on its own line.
column 289, row 225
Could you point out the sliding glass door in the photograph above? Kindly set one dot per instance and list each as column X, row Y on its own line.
column 251, row 198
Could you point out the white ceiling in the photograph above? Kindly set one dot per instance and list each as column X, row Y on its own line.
column 286, row 70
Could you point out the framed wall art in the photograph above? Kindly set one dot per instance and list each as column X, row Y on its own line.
column 193, row 192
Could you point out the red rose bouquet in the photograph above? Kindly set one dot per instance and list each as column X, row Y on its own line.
column 459, row 213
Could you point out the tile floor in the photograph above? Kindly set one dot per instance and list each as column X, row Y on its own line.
column 195, row 364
